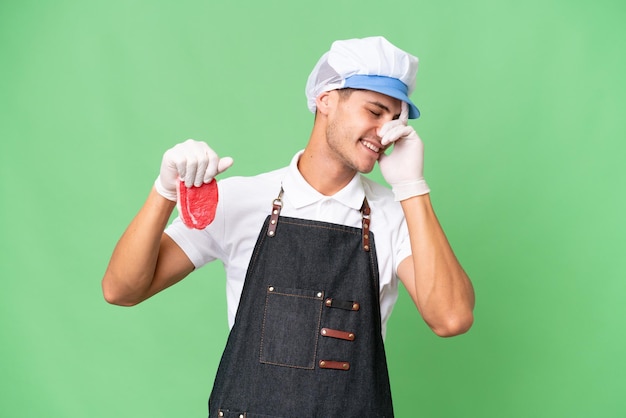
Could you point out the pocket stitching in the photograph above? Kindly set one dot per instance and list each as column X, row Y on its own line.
column 319, row 320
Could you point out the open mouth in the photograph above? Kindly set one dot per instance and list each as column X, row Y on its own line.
column 371, row 146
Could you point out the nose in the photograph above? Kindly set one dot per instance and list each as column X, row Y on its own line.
column 378, row 129
column 381, row 123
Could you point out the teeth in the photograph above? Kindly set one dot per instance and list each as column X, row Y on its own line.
column 371, row 146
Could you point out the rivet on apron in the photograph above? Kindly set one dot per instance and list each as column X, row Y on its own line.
column 221, row 414
column 319, row 294
column 271, row 288
column 277, row 206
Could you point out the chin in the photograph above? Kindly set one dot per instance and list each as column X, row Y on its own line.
column 366, row 170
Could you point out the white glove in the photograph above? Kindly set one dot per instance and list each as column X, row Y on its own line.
column 192, row 161
column 403, row 168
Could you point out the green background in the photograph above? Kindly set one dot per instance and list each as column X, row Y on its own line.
column 523, row 119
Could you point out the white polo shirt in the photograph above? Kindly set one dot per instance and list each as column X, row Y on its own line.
column 245, row 202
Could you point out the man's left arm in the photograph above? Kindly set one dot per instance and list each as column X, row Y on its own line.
column 433, row 276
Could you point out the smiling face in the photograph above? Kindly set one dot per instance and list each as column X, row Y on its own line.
column 353, row 121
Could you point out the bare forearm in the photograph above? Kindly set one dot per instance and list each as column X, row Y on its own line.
column 441, row 289
column 134, row 260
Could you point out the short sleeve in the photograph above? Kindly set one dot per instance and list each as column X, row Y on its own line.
column 201, row 245
column 403, row 249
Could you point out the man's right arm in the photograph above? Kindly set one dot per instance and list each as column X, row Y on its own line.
column 146, row 260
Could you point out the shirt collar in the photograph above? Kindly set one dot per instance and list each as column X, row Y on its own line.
column 300, row 193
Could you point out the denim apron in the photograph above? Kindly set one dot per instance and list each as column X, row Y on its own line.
column 307, row 340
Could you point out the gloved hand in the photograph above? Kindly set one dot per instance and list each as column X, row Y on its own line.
column 403, row 168
column 192, row 161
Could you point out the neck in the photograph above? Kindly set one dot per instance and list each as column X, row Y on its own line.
column 321, row 169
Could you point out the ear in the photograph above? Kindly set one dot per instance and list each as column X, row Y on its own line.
column 325, row 101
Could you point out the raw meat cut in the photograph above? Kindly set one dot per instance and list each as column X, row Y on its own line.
column 196, row 205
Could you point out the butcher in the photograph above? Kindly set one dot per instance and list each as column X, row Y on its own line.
column 314, row 252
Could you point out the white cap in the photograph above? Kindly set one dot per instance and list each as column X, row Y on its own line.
column 370, row 64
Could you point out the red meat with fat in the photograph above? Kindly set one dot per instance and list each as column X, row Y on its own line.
column 197, row 205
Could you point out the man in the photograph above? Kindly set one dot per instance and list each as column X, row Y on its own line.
column 312, row 251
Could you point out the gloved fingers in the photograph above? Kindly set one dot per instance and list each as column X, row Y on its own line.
column 224, row 164
column 187, row 171
column 176, row 162
column 190, row 160
column 203, row 161
column 395, row 132
column 214, row 168
column 412, row 142
column 194, row 163
column 404, row 114
column 388, row 126
column 206, row 164
column 395, row 126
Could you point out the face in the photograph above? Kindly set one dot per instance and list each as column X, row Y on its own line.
column 353, row 125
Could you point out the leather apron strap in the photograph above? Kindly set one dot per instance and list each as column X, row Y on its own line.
column 277, row 205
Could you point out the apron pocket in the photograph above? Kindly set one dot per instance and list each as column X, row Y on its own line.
column 291, row 325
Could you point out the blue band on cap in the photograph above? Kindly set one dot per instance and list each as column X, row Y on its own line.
column 382, row 84
column 376, row 81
